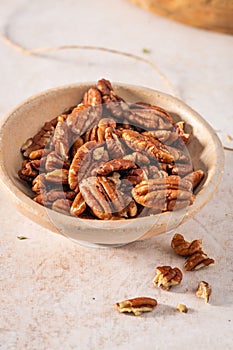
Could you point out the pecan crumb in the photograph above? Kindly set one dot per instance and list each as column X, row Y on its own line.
column 182, row 308
column 136, row 306
column 203, row 291
column 167, row 277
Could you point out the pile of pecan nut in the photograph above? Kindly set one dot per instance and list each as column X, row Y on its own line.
column 107, row 159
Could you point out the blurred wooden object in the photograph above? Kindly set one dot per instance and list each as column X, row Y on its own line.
column 216, row 15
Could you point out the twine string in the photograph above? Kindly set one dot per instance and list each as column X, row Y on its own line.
column 41, row 50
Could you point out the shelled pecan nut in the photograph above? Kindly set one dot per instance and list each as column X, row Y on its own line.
column 185, row 248
column 141, row 143
column 157, row 193
column 78, row 206
column 136, row 306
column 197, row 260
column 117, row 164
column 166, row 277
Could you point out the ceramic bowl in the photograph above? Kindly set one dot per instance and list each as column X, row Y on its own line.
column 25, row 120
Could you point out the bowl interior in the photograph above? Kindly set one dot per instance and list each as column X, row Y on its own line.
column 205, row 150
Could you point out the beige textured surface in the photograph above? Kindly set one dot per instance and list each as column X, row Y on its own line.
column 55, row 295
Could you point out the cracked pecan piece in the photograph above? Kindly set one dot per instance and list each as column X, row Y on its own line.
column 185, row 248
column 166, row 277
column 180, row 130
column 141, row 143
column 167, row 193
column 136, row 306
column 97, row 133
column 203, row 291
column 197, row 260
column 116, row 165
column 167, row 137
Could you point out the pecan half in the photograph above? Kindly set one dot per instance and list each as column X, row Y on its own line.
column 197, row 260
column 114, row 103
column 167, row 193
column 54, row 161
column 149, row 117
column 60, row 140
column 203, row 291
column 142, row 143
column 59, row 176
column 62, row 206
column 39, row 140
column 180, row 130
column 136, row 306
column 183, row 247
column 87, row 113
column 195, row 177
column 78, row 206
column 114, row 145
column 82, row 162
column 167, row 277
column 116, row 165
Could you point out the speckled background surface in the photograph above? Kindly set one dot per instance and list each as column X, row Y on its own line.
column 55, row 294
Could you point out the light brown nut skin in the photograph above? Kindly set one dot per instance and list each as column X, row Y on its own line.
column 136, row 306
column 197, row 260
column 141, row 143
column 116, row 165
column 167, row 137
column 167, row 277
column 183, row 247
column 204, row 291
column 54, row 161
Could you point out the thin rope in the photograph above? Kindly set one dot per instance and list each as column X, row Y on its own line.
column 42, row 50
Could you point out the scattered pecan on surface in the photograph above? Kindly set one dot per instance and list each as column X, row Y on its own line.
column 136, row 306
column 185, row 248
column 203, row 291
column 197, row 260
column 167, row 277
column 182, row 308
